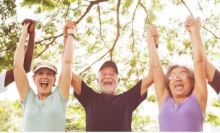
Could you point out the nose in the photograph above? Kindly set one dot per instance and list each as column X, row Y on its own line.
column 178, row 78
column 108, row 76
column 44, row 75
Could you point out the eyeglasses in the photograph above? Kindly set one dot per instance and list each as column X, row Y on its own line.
column 180, row 75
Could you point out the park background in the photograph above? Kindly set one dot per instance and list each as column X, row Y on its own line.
column 108, row 29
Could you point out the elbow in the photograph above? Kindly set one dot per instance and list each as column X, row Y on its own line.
column 67, row 62
column 200, row 60
column 17, row 67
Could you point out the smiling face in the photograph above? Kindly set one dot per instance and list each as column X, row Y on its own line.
column 44, row 79
column 108, row 80
column 180, row 82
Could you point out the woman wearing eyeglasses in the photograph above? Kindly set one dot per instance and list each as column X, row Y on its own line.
column 181, row 93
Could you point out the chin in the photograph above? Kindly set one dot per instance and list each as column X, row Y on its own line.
column 108, row 91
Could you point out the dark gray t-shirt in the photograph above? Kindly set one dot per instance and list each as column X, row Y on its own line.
column 216, row 81
column 109, row 112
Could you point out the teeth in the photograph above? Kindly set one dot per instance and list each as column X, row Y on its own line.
column 44, row 84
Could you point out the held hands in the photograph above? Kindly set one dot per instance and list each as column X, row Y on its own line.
column 152, row 35
column 69, row 28
column 192, row 24
column 25, row 28
column 31, row 27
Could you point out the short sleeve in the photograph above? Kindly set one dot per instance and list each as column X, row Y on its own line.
column 86, row 96
column 58, row 93
column 2, row 82
column 215, row 83
column 134, row 96
column 28, row 98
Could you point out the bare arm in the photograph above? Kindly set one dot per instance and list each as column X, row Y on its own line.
column 76, row 83
column 19, row 72
column 9, row 78
column 193, row 25
column 209, row 70
column 66, row 75
column 158, row 75
column 213, row 76
column 147, row 82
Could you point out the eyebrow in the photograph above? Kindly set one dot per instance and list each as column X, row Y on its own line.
column 179, row 72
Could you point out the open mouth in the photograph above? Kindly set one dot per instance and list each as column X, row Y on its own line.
column 44, row 84
column 179, row 86
column 107, row 83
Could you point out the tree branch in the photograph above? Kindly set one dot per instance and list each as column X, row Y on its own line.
column 187, row 7
column 145, row 9
column 100, row 23
column 133, row 40
column 67, row 11
column 203, row 25
column 94, row 62
column 49, row 38
column 47, row 46
column 147, row 20
column 92, row 3
column 118, row 29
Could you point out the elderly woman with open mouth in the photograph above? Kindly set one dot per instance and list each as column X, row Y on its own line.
column 46, row 110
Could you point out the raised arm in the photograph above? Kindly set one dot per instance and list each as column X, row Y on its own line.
column 193, row 26
column 9, row 78
column 66, row 70
column 147, row 81
column 75, row 81
column 158, row 74
column 19, row 72
column 213, row 75
column 209, row 70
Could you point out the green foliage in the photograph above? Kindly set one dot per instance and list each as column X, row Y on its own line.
column 8, row 33
column 151, row 98
column 93, row 40
column 75, row 116
column 213, row 119
column 140, row 122
column 176, row 2
column 215, row 103
column 43, row 4
column 10, row 118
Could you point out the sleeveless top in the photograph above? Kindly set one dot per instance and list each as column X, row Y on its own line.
column 185, row 116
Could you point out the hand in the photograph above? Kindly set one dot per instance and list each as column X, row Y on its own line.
column 25, row 28
column 192, row 24
column 152, row 35
column 31, row 27
column 70, row 27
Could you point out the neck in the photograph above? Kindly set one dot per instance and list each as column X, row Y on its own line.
column 43, row 96
column 179, row 99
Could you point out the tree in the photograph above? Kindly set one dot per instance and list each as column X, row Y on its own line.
column 110, row 29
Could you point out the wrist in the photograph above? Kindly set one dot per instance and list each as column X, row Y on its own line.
column 71, row 34
column 71, row 31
